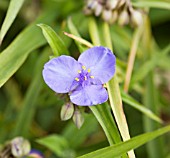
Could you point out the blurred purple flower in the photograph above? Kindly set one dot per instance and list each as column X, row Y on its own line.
column 82, row 79
column 35, row 154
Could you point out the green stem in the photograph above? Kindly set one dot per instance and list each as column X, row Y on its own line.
column 131, row 58
column 93, row 30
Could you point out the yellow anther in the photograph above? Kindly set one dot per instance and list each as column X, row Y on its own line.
column 88, row 70
column 79, row 71
column 91, row 76
column 85, row 77
column 83, row 67
column 77, row 79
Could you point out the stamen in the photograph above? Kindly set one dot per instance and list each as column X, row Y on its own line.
column 91, row 76
column 85, row 78
column 77, row 79
column 79, row 71
column 83, row 67
column 88, row 70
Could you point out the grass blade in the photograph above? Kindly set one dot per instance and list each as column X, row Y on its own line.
column 14, row 7
column 93, row 32
column 57, row 45
column 119, row 149
column 74, row 31
column 152, row 4
column 16, row 53
column 104, row 117
column 132, row 102
column 25, row 117
column 56, row 143
column 131, row 58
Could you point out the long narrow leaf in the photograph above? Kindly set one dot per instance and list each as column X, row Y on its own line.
column 16, row 53
column 132, row 102
column 119, row 149
column 24, row 119
column 56, row 143
column 152, row 4
column 54, row 40
column 74, row 31
column 105, row 119
column 14, row 7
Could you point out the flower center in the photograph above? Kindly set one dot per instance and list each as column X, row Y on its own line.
column 84, row 76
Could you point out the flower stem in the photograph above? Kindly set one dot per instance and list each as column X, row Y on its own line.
column 79, row 39
column 132, row 55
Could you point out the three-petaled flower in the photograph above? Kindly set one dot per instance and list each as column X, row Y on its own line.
column 82, row 79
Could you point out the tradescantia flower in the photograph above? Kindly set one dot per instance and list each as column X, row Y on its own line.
column 82, row 79
column 35, row 154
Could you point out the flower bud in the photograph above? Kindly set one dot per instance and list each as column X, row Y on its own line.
column 121, row 3
column 106, row 15
column 123, row 18
column 20, row 147
column 112, row 4
column 91, row 4
column 136, row 18
column 78, row 118
column 113, row 17
column 67, row 111
column 87, row 11
column 98, row 9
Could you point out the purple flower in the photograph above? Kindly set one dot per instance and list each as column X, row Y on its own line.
column 35, row 154
column 82, row 79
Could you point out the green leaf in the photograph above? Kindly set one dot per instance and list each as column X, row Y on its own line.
column 152, row 4
column 16, row 53
column 93, row 31
column 56, row 143
column 29, row 104
column 121, row 148
column 57, row 45
column 132, row 102
column 14, row 7
column 104, row 117
column 74, row 31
